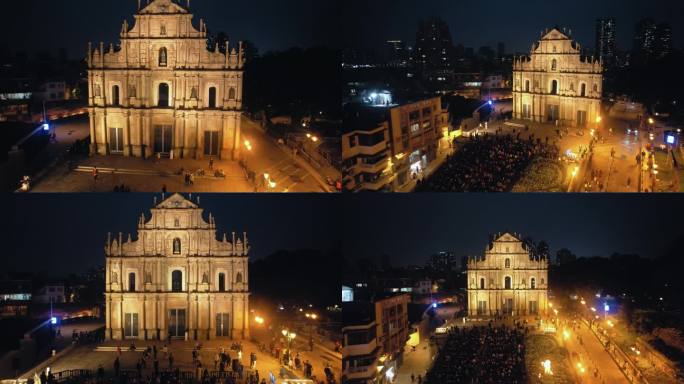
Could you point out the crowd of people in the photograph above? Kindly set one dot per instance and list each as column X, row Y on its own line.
column 490, row 354
column 488, row 163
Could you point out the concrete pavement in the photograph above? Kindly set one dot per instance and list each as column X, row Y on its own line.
column 150, row 175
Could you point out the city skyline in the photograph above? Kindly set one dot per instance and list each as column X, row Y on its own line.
column 586, row 225
column 73, row 26
column 370, row 25
column 270, row 225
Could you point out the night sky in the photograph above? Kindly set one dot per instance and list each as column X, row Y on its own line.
column 409, row 228
column 367, row 24
column 34, row 25
column 64, row 233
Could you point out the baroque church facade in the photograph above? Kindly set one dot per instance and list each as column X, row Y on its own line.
column 176, row 279
column 556, row 84
column 162, row 92
column 507, row 280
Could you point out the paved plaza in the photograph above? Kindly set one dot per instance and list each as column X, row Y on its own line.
column 289, row 172
column 93, row 356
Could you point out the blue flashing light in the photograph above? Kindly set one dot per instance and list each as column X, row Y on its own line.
column 46, row 127
column 53, row 320
column 606, row 307
column 670, row 139
column 434, row 305
column 489, row 102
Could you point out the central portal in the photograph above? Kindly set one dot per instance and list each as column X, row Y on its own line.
column 163, row 139
column 177, row 323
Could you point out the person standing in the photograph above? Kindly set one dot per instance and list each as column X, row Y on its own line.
column 117, row 366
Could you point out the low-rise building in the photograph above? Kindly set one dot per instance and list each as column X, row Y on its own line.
column 360, row 348
column 51, row 293
column 385, row 147
column 15, row 297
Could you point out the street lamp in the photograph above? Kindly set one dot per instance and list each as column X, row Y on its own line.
column 259, row 320
column 289, row 336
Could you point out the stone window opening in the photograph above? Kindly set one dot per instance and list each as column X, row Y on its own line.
column 163, row 95
column 222, row 282
column 176, row 246
column 177, row 281
column 115, row 95
column 131, row 282
column 163, row 57
column 533, row 283
column 527, row 85
column 583, row 90
column 554, row 63
column 482, row 283
column 176, row 222
column 508, row 263
column 212, row 97
column 507, row 282
column 231, row 94
column 554, row 87
column 238, row 278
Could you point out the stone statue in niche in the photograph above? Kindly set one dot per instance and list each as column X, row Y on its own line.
column 205, row 278
column 115, row 277
column 148, row 278
column 96, row 90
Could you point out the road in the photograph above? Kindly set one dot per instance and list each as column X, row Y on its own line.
column 592, row 355
column 150, row 175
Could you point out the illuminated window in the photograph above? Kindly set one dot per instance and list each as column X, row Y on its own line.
column 163, row 57
column 176, row 246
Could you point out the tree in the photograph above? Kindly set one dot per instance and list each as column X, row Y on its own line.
column 542, row 250
column 564, row 256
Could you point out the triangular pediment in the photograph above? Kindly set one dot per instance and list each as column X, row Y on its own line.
column 163, row 7
column 555, row 34
column 176, row 201
column 506, row 236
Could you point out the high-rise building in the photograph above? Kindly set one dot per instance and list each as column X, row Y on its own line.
column 644, row 38
column 500, row 50
column 397, row 53
column 652, row 40
column 434, row 49
column 663, row 40
column 605, row 41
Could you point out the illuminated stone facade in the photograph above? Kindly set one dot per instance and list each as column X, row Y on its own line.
column 556, row 84
column 176, row 277
column 507, row 280
column 161, row 91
